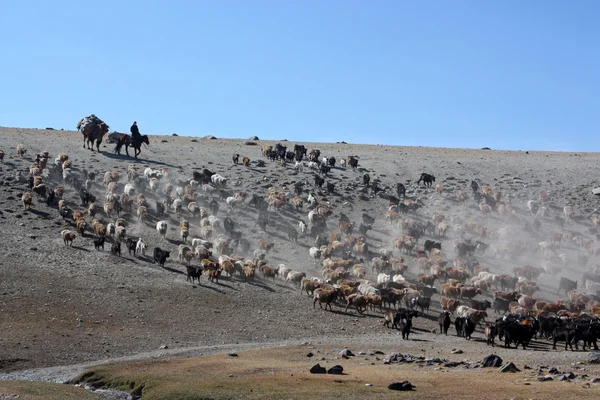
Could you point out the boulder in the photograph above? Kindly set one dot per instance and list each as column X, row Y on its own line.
column 253, row 138
column 509, row 367
column 594, row 357
column 346, row 353
column 406, row 385
column 317, row 369
column 492, row 361
column 336, row 370
column 545, row 378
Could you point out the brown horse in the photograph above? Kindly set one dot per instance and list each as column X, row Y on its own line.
column 94, row 132
column 126, row 140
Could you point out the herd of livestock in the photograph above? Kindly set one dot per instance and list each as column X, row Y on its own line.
column 400, row 282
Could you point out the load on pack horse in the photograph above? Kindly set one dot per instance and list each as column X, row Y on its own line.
column 128, row 141
column 93, row 130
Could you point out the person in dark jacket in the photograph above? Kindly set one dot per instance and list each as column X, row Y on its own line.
column 135, row 132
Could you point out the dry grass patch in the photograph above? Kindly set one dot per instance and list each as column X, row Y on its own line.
column 282, row 373
column 28, row 390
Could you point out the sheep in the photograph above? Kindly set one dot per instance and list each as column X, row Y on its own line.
column 218, row 180
column 327, row 296
column 177, row 205
column 141, row 247
column 120, row 232
column 161, row 227
column 184, row 227
column 568, row 211
column 383, row 278
column 268, row 272
column 115, row 249
column 68, row 236
column 206, row 232
column 283, row 271
column 265, row 245
column 315, row 254
column 249, row 271
column 21, row 150
column 533, row 207
column 110, row 177
column 81, row 225
column 295, row 277
column 201, row 242
column 27, row 200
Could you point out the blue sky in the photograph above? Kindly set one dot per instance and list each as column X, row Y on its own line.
column 504, row 74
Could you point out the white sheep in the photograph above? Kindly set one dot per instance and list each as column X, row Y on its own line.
column 283, row 271
column 315, row 253
column 365, row 288
column 177, row 204
column 129, row 189
column 313, row 165
column 201, row 242
column 299, row 166
column 218, row 180
column 141, row 247
column 161, row 227
column 302, row 227
column 533, row 206
column 231, row 202
column 110, row 229
column 383, row 278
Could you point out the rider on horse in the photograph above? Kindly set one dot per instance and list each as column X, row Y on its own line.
column 135, row 133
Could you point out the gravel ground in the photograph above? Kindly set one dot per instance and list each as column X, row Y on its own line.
column 63, row 308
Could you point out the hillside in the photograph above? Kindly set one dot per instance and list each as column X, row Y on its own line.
column 64, row 305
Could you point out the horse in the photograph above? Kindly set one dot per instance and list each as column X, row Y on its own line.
column 126, row 140
column 94, row 132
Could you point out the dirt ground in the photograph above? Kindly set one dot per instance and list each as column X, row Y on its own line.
column 62, row 306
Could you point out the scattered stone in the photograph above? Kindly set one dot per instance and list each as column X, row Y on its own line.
column 210, row 137
column 509, row 367
column 174, row 134
column 492, row 361
column 250, row 143
column 253, row 138
column 553, row 370
column 317, row 369
column 404, row 386
column 457, row 351
column 310, row 354
column 594, row 357
column 563, row 378
column 526, row 366
column 545, row 378
column 30, row 236
column 194, row 140
column 595, row 380
column 596, row 191
column 233, row 355
column 164, row 141
column 336, row 370
column 163, row 347
column 485, row 148
column 346, row 353
column 451, row 364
